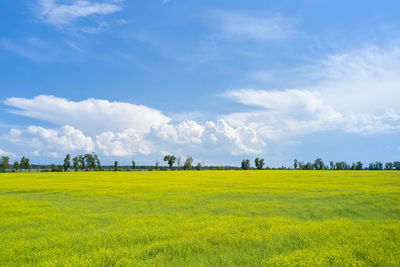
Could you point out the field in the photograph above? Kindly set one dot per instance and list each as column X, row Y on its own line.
column 200, row 218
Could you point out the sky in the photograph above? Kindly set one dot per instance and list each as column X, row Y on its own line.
column 221, row 80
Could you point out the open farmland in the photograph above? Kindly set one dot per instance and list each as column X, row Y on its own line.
column 200, row 218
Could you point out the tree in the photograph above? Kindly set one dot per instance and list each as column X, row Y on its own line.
column 319, row 164
column 133, row 165
column 90, row 161
column 371, row 166
column 4, row 164
column 359, row 166
column 16, row 166
column 308, row 166
column 75, row 163
column 295, row 164
column 302, row 166
column 379, row 165
column 170, row 159
column 25, row 165
column 245, row 164
column 157, row 166
column 81, row 162
column 97, row 160
column 342, row 166
column 188, row 163
column 178, row 161
column 67, row 162
column 259, row 163
column 56, row 168
column 116, row 166
column 389, row 166
column 332, row 165
column 396, row 165
column 198, row 166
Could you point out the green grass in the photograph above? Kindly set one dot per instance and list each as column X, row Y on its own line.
column 200, row 218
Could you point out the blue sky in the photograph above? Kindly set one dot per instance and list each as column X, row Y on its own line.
column 218, row 80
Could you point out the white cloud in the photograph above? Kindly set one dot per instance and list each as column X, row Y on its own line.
column 126, row 143
column 360, row 98
column 222, row 138
column 92, row 116
column 61, row 14
column 122, row 129
column 6, row 154
column 356, row 92
column 187, row 137
column 51, row 142
column 265, row 26
column 184, row 132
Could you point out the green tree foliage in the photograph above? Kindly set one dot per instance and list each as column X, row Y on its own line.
column 308, row 166
column 90, row 161
column 245, row 164
column 157, row 166
column 359, row 165
column 295, row 164
column 170, row 159
column 56, row 168
column 396, row 165
column 81, row 162
column 389, row 166
column 198, row 166
column 342, row 166
column 67, row 162
column 376, row 166
column 133, row 165
column 116, row 166
column 319, row 164
column 331, row 165
column 15, row 166
column 75, row 163
column 259, row 163
column 4, row 163
column 188, row 163
column 25, row 165
column 97, row 161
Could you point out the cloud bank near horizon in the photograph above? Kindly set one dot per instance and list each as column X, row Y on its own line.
column 357, row 92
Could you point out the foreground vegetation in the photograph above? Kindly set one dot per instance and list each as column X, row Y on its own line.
column 208, row 218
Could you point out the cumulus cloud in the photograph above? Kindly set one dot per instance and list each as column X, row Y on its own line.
column 122, row 129
column 188, row 137
column 355, row 92
column 352, row 97
column 62, row 14
column 219, row 138
column 92, row 116
column 51, row 142
column 126, row 143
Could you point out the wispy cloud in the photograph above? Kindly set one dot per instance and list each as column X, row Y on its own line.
column 355, row 92
column 265, row 27
column 64, row 15
column 30, row 48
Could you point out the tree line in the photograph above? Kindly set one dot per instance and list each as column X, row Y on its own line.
column 91, row 162
column 23, row 164
column 319, row 164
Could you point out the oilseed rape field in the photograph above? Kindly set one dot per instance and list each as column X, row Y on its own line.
column 200, row 218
